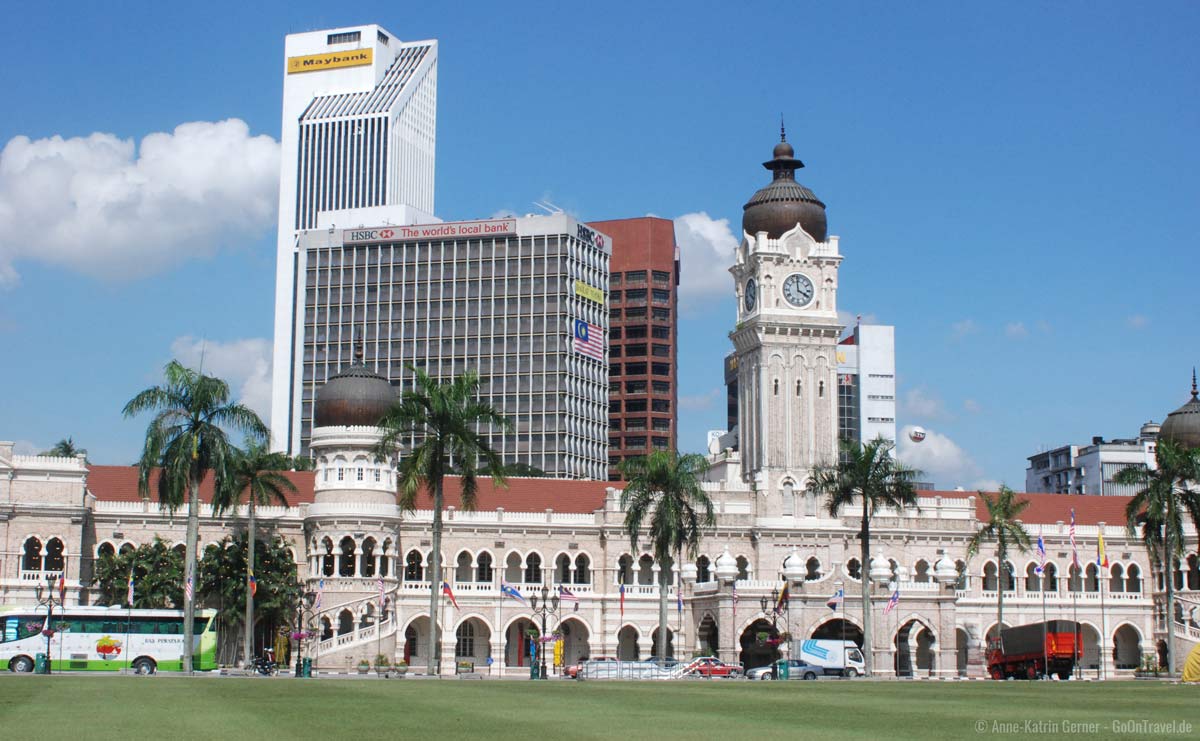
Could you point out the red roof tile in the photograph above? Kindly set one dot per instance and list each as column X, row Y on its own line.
column 120, row 484
column 526, row 495
column 1047, row 509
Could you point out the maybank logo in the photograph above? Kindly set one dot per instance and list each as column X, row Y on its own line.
column 333, row 60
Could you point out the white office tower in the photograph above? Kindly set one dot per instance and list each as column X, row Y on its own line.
column 359, row 129
column 867, row 384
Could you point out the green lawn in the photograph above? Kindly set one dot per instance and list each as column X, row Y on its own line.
column 96, row 707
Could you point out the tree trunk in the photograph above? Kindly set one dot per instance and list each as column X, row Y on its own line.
column 663, row 586
column 1169, row 575
column 249, row 652
column 189, row 603
column 435, row 582
column 865, row 573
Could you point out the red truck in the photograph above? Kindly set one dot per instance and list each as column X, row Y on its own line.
column 1038, row 649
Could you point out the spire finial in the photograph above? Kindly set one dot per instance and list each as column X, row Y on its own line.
column 782, row 130
column 1193, row 383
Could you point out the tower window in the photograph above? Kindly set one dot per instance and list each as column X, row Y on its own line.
column 797, row 388
column 776, row 387
column 821, row 389
column 351, row 37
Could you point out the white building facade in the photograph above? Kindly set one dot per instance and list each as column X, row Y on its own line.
column 1091, row 469
column 867, row 383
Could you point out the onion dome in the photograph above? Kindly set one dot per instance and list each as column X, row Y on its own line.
column 794, row 568
column 945, row 571
column 1182, row 426
column 354, row 397
column 881, row 569
column 784, row 203
column 727, row 568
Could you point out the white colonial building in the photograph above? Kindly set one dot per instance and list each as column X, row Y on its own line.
column 348, row 535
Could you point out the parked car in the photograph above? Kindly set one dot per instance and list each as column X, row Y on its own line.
column 711, row 666
column 796, row 669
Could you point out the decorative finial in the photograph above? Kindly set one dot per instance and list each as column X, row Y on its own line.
column 1193, row 383
column 782, row 130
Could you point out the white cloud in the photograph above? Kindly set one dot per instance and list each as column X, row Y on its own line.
column 100, row 206
column 921, row 403
column 972, row 406
column 244, row 364
column 988, row 485
column 706, row 248
column 959, row 330
column 939, row 458
column 1137, row 321
column 1016, row 330
column 701, row 401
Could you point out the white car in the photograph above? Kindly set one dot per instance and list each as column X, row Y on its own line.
column 797, row 669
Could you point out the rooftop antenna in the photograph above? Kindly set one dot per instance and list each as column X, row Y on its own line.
column 548, row 207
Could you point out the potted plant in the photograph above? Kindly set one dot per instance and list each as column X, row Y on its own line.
column 383, row 665
column 400, row 668
column 364, row 666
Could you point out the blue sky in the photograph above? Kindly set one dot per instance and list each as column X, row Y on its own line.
column 1014, row 187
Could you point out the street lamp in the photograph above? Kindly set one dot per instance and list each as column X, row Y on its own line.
column 549, row 606
column 304, row 606
column 49, row 602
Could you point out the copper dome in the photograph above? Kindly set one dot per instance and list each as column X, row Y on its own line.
column 1182, row 426
column 784, row 203
column 354, row 397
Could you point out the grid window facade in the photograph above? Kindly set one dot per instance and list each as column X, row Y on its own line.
column 501, row 306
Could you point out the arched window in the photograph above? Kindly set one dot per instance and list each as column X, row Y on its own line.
column 854, row 569
column 1050, row 578
column 583, row 569
column 812, row 569
column 327, row 559
column 32, row 558
column 625, row 569
column 512, row 568
column 346, row 562
column 797, row 388
column 1010, row 577
column 463, row 567
column 533, row 569
column 385, row 558
column 1116, row 579
column 743, row 567
column 54, row 555
column 1032, row 579
column 810, row 501
column 775, row 387
column 106, row 550
column 465, row 644
column 1133, row 579
column 921, row 572
column 345, row 622
column 990, row 581
column 326, row 629
column 703, row 570
column 1091, row 582
column 964, row 579
column 483, row 571
column 1074, row 578
column 1193, row 572
column 789, row 500
column 412, row 566
column 821, row 389
column 366, row 565
column 645, row 570
column 562, row 569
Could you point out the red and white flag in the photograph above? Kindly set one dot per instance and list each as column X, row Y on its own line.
column 589, row 339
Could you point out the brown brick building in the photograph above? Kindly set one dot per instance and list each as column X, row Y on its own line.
column 643, row 309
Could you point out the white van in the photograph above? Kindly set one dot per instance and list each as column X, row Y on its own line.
column 837, row 658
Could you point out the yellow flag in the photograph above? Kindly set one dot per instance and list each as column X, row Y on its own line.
column 1101, row 558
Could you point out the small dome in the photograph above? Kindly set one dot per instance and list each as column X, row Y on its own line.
column 945, row 571
column 794, row 567
column 727, row 568
column 354, row 397
column 688, row 572
column 881, row 569
column 1182, row 426
column 777, row 208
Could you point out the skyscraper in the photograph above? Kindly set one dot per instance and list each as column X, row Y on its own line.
column 518, row 300
column 643, row 309
column 358, row 142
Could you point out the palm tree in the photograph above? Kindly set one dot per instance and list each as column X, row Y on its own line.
column 1157, row 509
column 664, row 488
column 185, row 440
column 444, row 420
column 869, row 476
column 1003, row 527
column 65, row 448
column 256, row 471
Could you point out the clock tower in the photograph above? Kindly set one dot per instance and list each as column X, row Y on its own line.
column 785, row 344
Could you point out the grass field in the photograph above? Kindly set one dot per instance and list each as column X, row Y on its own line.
column 85, row 707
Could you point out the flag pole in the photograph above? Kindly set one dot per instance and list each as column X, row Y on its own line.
column 1103, row 624
column 1075, row 618
column 1045, row 627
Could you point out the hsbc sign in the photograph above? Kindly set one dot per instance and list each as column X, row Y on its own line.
column 370, row 235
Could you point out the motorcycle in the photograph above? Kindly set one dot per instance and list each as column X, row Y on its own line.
column 265, row 664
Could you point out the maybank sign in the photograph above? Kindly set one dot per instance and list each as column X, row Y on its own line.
column 583, row 290
column 333, row 60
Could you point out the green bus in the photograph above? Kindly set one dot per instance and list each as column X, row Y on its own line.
column 105, row 639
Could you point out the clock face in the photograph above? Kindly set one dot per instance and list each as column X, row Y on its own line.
column 798, row 289
column 751, row 294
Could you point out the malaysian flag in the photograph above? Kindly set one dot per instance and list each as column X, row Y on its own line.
column 1074, row 553
column 509, row 590
column 836, row 600
column 566, row 595
column 891, row 605
column 129, row 591
column 446, row 592
column 589, row 339
column 622, row 600
column 187, row 589
column 1041, row 551
column 320, row 595
column 379, row 581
